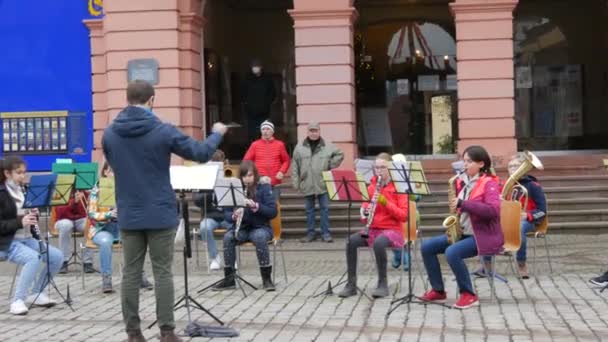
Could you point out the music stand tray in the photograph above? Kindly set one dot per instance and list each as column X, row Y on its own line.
column 38, row 195
column 229, row 193
column 350, row 187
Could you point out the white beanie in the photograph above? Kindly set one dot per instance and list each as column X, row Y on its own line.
column 267, row 124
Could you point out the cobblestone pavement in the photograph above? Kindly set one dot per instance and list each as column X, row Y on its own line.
column 562, row 306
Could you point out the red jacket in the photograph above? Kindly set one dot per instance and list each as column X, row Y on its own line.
column 270, row 157
column 71, row 211
column 394, row 213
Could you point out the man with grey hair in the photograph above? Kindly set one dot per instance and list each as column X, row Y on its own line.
column 311, row 157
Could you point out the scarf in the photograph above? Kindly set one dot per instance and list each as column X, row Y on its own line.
column 17, row 194
column 465, row 194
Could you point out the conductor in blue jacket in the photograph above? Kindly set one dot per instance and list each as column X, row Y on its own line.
column 138, row 146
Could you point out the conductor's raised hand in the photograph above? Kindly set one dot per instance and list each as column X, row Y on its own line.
column 220, row 128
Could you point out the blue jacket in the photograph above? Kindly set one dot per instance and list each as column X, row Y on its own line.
column 266, row 212
column 138, row 147
column 537, row 206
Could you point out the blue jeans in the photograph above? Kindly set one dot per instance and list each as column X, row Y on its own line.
column 25, row 252
column 455, row 254
column 323, row 208
column 259, row 236
column 208, row 225
column 526, row 227
column 104, row 240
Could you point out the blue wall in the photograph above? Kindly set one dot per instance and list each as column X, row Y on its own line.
column 45, row 64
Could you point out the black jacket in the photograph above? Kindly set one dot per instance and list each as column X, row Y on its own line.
column 9, row 221
column 258, row 94
column 266, row 212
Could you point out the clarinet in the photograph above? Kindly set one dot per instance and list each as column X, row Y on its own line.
column 239, row 219
column 372, row 208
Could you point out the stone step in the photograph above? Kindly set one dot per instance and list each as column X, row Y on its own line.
column 441, row 195
column 441, row 207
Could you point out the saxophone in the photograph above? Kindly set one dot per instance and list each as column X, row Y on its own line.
column 452, row 222
column 372, row 208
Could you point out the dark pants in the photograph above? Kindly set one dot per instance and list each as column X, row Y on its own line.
column 254, row 120
column 455, row 255
column 259, row 237
column 355, row 241
column 135, row 244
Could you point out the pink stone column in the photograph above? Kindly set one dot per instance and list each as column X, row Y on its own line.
column 486, row 108
column 166, row 30
column 325, row 77
column 98, row 71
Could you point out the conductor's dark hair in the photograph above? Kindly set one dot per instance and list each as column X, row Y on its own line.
column 139, row 92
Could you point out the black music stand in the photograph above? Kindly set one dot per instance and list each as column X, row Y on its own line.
column 38, row 195
column 86, row 178
column 408, row 178
column 182, row 181
column 229, row 194
column 350, row 187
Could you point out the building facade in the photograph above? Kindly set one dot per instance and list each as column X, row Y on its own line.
column 424, row 78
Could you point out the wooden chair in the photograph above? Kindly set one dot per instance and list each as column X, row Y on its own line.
column 89, row 244
column 277, row 230
column 512, row 235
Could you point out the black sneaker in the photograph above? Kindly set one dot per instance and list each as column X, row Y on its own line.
column 601, row 280
column 327, row 238
column 64, row 268
column 308, row 238
column 88, row 268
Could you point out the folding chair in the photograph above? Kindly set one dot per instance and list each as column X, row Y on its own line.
column 541, row 233
column 512, row 236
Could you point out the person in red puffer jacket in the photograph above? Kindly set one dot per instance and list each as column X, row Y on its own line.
column 269, row 156
column 69, row 218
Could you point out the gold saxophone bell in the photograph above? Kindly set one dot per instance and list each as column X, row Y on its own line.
column 452, row 222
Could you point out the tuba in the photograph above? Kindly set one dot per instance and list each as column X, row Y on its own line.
column 510, row 209
column 452, row 222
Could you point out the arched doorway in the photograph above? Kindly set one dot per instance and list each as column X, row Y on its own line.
column 406, row 81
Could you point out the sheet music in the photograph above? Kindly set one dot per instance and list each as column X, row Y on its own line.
column 366, row 168
column 223, row 192
column 198, row 177
column 413, row 170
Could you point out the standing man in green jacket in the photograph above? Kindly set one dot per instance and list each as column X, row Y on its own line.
column 311, row 157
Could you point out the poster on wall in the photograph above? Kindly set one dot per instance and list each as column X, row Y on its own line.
column 403, row 86
column 523, row 77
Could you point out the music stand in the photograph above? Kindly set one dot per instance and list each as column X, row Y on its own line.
column 188, row 179
column 38, row 195
column 229, row 194
column 350, row 187
column 408, row 178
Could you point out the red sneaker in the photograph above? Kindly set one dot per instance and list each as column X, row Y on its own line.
column 466, row 300
column 434, row 296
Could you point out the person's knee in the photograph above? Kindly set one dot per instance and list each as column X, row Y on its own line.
column 229, row 238
column 452, row 254
column 380, row 244
column 64, row 226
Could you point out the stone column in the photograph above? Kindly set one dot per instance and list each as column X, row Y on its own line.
column 99, row 85
column 166, row 30
column 486, row 106
column 325, row 78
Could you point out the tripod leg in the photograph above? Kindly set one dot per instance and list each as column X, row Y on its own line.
column 197, row 305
